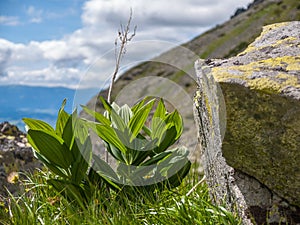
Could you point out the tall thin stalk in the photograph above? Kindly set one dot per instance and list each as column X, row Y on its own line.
column 124, row 37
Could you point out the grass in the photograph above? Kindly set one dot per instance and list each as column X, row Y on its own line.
column 40, row 204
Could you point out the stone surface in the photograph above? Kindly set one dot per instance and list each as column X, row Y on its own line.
column 248, row 113
column 16, row 157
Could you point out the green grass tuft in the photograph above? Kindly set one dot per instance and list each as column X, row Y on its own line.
column 40, row 204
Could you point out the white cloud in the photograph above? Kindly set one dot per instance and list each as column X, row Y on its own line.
column 9, row 20
column 66, row 61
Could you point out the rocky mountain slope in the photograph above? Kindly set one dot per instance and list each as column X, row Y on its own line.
column 16, row 157
column 223, row 41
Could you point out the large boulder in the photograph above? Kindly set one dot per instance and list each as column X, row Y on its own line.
column 248, row 114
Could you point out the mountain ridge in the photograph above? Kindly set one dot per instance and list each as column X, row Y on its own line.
column 222, row 41
column 18, row 101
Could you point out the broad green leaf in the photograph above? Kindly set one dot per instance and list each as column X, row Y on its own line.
column 115, row 152
column 55, row 169
column 109, row 135
column 124, row 137
column 140, row 157
column 105, row 104
column 138, row 143
column 155, row 159
column 67, row 133
column 62, row 119
column 168, row 140
column 176, row 179
column 177, row 160
column 158, row 123
column 142, row 173
column 34, row 124
column 178, row 123
column 115, row 107
column 102, row 168
column 124, row 171
column 151, row 145
column 106, row 172
column 141, row 149
column 135, row 175
column 75, row 150
column 176, row 119
column 98, row 116
column 80, row 166
column 31, row 142
column 175, row 167
column 138, row 120
column 138, row 105
column 125, row 113
column 147, row 130
column 117, row 121
column 71, row 191
column 159, row 128
column 51, row 147
column 86, row 150
column 81, row 128
column 160, row 111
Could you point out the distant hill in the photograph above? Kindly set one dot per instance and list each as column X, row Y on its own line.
column 225, row 40
column 17, row 101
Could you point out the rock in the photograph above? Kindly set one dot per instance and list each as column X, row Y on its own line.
column 16, row 157
column 238, row 11
column 248, row 112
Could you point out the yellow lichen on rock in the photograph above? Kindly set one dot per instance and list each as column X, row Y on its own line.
column 197, row 98
column 294, row 65
column 288, row 80
column 287, row 40
column 266, row 30
column 269, row 75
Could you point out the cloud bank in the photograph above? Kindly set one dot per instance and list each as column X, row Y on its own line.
column 65, row 61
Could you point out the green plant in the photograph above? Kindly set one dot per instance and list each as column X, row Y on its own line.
column 66, row 152
column 144, row 160
column 142, row 152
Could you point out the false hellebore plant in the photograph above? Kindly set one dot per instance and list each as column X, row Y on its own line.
column 144, row 160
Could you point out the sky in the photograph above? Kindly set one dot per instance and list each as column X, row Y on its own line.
column 71, row 43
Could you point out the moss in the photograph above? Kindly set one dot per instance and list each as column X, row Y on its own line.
column 262, row 137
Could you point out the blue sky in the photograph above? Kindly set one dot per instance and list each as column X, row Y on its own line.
column 55, row 42
column 39, row 20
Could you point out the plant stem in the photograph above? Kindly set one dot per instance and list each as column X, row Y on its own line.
column 124, row 38
column 194, row 188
